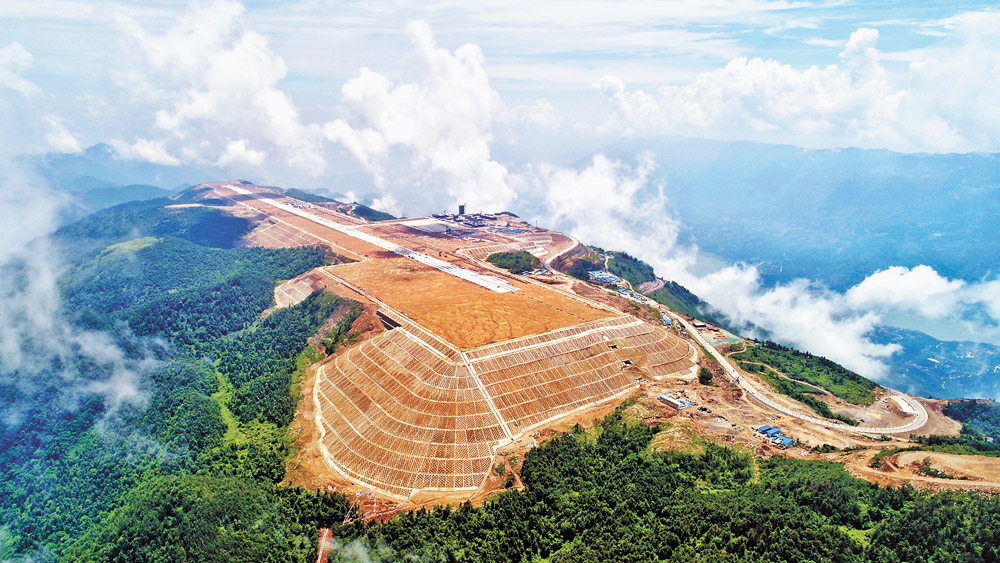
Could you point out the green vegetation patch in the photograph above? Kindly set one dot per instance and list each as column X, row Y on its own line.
column 310, row 197
column 514, row 262
column 705, row 376
column 369, row 214
column 801, row 392
column 929, row 470
column 630, row 268
column 131, row 245
column 817, row 370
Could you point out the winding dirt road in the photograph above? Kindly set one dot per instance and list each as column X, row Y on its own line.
column 752, row 391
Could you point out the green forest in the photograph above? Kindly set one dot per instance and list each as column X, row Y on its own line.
column 514, row 262
column 980, row 433
column 369, row 214
column 630, row 268
column 191, row 472
column 815, row 370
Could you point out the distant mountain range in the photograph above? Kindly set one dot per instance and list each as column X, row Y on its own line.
column 98, row 178
column 100, row 167
column 835, row 215
column 941, row 369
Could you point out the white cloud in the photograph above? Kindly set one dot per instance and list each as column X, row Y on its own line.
column 38, row 345
column 600, row 205
column 149, row 150
column 239, row 151
column 801, row 314
column 919, row 290
column 214, row 86
column 429, row 137
column 14, row 61
column 944, row 102
column 605, row 204
column 29, row 124
column 58, row 138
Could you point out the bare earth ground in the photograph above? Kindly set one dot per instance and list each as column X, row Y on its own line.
column 465, row 314
column 984, row 472
column 469, row 316
column 937, row 423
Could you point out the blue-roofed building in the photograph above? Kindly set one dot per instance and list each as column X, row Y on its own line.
column 772, row 432
column 764, row 428
column 786, row 442
column 603, row 277
column 667, row 322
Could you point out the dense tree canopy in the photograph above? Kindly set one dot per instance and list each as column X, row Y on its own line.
column 630, row 268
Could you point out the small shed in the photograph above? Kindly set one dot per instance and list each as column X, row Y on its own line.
column 671, row 402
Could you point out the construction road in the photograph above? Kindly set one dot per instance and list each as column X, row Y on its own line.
column 919, row 420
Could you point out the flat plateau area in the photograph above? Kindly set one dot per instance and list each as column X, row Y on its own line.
column 470, row 360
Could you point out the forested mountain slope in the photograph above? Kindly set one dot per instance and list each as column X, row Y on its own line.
column 210, row 433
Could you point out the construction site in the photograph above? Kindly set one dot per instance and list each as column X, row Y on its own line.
column 466, row 362
column 460, row 367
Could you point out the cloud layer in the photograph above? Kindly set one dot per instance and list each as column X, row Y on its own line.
column 941, row 103
column 39, row 348
column 207, row 88
column 604, row 204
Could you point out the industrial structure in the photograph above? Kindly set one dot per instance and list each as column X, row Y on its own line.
column 773, row 435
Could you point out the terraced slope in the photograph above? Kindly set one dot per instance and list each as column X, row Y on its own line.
column 405, row 412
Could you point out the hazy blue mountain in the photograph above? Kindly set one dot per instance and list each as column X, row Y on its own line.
column 942, row 369
column 100, row 167
column 99, row 198
column 833, row 215
column 98, row 178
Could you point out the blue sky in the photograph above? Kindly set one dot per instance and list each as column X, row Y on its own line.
column 410, row 104
column 549, row 53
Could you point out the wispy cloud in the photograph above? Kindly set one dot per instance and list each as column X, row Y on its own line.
column 14, row 60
